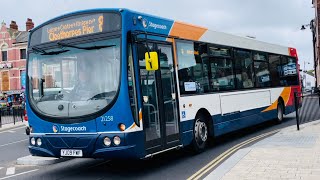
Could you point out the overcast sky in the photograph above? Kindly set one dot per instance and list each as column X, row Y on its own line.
column 274, row 21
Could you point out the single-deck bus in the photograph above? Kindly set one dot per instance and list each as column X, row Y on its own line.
column 114, row 83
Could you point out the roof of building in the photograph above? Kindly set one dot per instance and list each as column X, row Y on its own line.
column 22, row 37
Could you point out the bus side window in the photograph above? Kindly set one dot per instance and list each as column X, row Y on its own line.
column 244, row 68
column 261, row 69
column 289, row 75
column 222, row 76
column 275, row 69
column 187, row 63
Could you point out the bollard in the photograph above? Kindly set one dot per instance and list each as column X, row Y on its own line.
column 296, row 105
column 21, row 113
column 319, row 96
column 14, row 117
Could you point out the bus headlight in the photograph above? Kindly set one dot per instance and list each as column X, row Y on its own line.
column 39, row 142
column 33, row 141
column 107, row 141
column 116, row 140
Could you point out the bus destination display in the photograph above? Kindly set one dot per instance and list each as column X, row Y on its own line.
column 78, row 26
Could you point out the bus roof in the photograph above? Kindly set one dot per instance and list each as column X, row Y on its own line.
column 191, row 32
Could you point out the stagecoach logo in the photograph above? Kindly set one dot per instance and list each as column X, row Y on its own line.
column 146, row 24
column 72, row 129
column 55, row 128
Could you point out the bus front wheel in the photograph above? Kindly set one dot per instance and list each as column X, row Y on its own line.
column 280, row 110
column 200, row 132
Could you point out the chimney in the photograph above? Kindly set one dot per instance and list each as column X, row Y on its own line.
column 29, row 24
column 13, row 25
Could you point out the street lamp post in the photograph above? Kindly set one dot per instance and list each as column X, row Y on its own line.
column 314, row 38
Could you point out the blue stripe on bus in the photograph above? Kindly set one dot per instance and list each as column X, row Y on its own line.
column 226, row 124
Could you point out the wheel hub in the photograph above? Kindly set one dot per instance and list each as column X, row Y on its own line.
column 201, row 132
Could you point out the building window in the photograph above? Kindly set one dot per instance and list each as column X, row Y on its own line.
column 23, row 54
column 4, row 55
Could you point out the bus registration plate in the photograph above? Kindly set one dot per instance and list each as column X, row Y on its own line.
column 71, row 152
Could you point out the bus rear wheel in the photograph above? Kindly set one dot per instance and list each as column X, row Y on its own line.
column 200, row 133
column 280, row 110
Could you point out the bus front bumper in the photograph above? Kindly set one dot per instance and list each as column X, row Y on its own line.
column 91, row 146
column 105, row 153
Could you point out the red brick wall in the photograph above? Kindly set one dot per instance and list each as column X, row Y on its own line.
column 13, row 58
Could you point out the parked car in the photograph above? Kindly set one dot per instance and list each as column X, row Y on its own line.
column 314, row 90
column 307, row 90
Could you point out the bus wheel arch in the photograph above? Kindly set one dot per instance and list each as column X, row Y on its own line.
column 280, row 110
column 202, row 129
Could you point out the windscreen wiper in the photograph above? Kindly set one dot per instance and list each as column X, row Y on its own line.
column 38, row 50
column 85, row 48
column 55, row 52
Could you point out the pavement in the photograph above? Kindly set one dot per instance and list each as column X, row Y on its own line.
column 288, row 154
column 11, row 125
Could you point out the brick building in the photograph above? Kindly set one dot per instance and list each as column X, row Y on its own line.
column 314, row 26
column 13, row 45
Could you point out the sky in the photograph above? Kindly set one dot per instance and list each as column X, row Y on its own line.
column 273, row 21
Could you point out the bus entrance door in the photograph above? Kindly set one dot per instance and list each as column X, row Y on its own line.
column 160, row 112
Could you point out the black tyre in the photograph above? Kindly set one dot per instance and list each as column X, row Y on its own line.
column 280, row 112
column 200, row 134
column 27, row 130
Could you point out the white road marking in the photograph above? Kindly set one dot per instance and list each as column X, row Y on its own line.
column 13, row 142
column 12, row 129
column 18, row 174
column 10, row 171
column 1, row 167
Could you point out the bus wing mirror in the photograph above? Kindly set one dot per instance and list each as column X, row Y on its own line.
column 152, row 61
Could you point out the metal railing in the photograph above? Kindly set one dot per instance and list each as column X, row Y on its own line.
column 307, row 107
column 10, row 115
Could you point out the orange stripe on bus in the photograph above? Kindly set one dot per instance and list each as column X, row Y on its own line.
column 133, row 126
column 140, row 119
column 140, row 115
column 187, row 31
column 272, row 107
column 285, row 94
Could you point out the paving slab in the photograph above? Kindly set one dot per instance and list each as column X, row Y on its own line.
column 11, row 126
column 288, row 154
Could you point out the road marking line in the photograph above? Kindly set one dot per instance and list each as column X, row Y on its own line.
column 221, row 157
column 11, row 131
column 1, row 168
column 13, row 142
column 10, row 171
column 22, row 126
column 18, row 174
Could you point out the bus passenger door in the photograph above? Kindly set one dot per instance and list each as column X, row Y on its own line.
column 160, row 108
